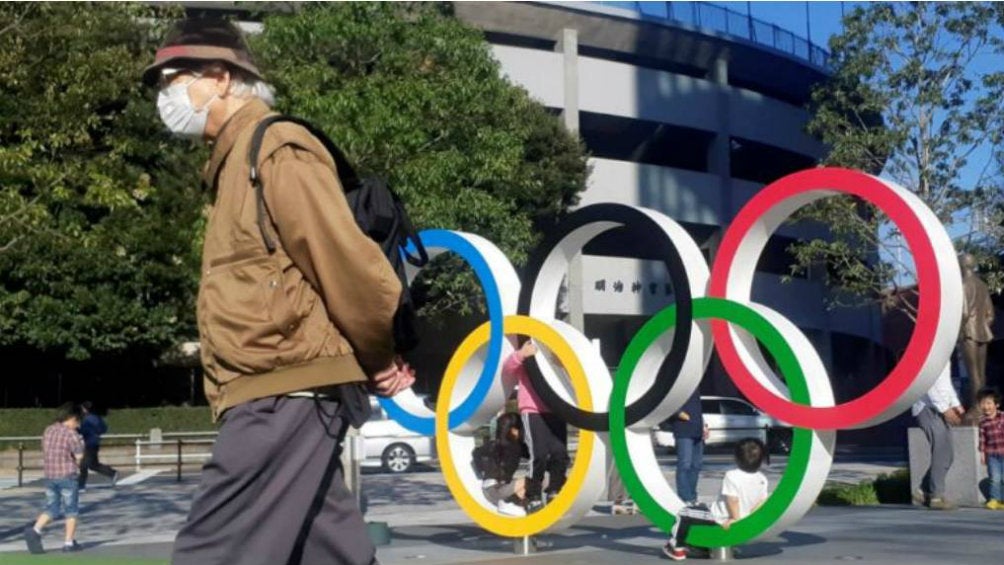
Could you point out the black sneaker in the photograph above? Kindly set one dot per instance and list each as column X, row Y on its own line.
column 34, row 540
column 72, row 547
column 534, row 506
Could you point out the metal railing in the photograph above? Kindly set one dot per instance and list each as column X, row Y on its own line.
column 153, row 444
column 731, row 22
column 178, row 456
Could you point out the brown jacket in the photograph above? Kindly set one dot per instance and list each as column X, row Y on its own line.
column 316, row 312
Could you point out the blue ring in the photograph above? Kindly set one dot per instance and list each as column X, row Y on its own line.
column 426, row 425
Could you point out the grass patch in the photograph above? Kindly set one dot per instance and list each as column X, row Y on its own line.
column 887, row 488
column 32, row 421
column 861, row 494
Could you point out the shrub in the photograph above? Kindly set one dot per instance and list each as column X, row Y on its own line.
column 32, row 421
column 893, row 488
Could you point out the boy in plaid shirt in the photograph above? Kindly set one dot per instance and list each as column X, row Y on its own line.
column 62, row 450
column 992, row 445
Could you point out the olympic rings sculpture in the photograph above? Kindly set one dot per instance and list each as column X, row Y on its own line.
column 620, row 410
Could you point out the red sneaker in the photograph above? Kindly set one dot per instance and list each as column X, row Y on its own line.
column 673, row 552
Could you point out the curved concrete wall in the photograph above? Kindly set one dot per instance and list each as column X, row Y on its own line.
column 549, row 64
column 620, row 89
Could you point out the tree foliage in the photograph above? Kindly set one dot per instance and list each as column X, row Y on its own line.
column 99, row 209
column 912, row 98
column 414, row 95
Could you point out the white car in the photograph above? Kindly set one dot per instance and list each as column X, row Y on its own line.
column 730, row 420
column 391, row 446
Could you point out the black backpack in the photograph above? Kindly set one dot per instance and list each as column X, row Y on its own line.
column 483, row 460
column 378, row 211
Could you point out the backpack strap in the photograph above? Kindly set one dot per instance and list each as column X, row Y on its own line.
column 411, row 236
column 346, row 173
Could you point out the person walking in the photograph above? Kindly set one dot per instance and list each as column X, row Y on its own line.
column 291, row 333
column 936, row 412
column 62, row 451
column 92, row 428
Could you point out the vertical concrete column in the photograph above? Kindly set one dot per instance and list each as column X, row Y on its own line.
column 719, row 162
column 568, row 45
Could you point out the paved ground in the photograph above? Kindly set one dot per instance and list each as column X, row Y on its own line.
column 135, row 524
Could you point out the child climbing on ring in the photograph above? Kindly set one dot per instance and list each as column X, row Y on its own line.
column 743, row 490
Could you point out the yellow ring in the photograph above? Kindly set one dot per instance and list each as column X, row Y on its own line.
column 513, row 526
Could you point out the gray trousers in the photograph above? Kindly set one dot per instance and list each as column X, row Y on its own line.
column 615, row 485
column 939, row 436
column 273, row 492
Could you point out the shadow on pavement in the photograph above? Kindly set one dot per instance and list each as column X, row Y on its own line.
column 616, row 537
column 14, row 533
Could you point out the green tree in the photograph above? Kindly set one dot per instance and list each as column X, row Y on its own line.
column 412, row 94
column 99, row 210
column 910, row 98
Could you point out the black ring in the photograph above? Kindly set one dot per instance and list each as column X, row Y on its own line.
column 664, row 248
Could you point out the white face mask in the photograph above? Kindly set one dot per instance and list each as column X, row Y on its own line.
column 179, row 114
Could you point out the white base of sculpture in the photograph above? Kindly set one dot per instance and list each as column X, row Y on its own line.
column 962, row 485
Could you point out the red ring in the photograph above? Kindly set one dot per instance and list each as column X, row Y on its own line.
column 873, row 403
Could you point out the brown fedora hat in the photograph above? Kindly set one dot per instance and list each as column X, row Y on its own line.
column 202, row 40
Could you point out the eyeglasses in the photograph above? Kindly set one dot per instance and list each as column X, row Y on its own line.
column 169, row 74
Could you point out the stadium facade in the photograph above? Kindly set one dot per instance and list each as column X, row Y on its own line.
column 690, row 109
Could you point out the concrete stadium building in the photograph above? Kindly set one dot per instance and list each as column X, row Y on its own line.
column 690, row 109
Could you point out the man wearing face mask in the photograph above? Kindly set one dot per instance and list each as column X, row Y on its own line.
column 289, row 337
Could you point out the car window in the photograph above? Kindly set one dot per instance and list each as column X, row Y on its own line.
column 736, row 408
column 710, row 407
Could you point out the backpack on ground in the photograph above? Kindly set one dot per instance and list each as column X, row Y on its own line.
column 378, row 211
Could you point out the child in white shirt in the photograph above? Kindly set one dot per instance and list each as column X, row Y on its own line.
column 743, row 490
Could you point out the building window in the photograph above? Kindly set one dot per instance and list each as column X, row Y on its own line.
column 762, row 163
column 643, row 141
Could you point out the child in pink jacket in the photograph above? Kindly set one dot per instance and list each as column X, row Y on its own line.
column 546, row 434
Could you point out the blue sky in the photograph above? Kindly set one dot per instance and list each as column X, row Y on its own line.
column 824, row 20
column 818, row 21
column 823, row 17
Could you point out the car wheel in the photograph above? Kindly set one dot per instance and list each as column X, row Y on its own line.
column 398, row 458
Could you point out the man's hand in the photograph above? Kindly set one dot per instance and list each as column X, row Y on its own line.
column 706, row 433
column 952, row 417
column 683, row 416
column 392, row 380
column 527, row 350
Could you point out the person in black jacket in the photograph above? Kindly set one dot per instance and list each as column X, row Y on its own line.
column 689, row 433
column 499, row 485
column 92, row 428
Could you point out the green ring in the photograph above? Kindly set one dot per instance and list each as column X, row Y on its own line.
column 773, row 508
